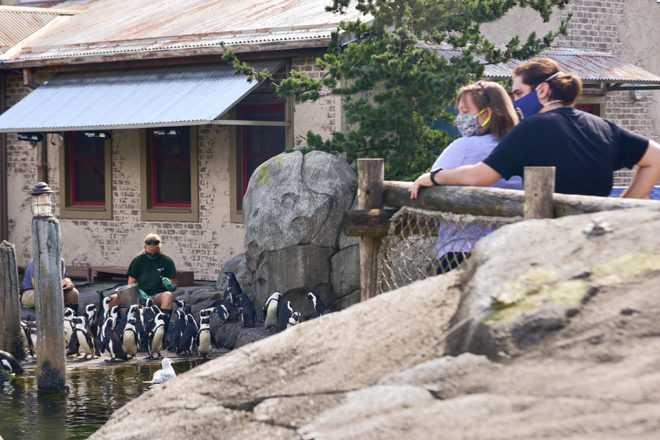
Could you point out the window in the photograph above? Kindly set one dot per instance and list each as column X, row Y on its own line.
column 260, row 143
column 169, row 184
column 85, row 175
column 264, row 132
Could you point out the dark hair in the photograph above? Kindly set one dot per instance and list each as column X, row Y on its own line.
column 487, row 94
column 566, row 87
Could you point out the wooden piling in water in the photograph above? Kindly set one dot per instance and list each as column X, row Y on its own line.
column 49, row 302
column 10, row 311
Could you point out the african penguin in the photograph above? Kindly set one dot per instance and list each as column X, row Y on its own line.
column 233, row 289
column 111, row 341
column 319, row 306
column 177, row 331
column 204, row 336
column 84, row 336
column 270, row 311
column 129, row 339
column 25, row 338
column 9, row 364
column 156, row 335
column 69, row 326
column 229, row 312
column 283, row 317
column 294, row 319
column 248, row 314
column 189, row 337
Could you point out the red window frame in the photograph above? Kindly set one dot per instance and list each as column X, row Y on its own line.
column 83, row 161
column 174, row 160
column 259, row 112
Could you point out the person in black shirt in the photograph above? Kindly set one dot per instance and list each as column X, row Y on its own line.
column 584, row 148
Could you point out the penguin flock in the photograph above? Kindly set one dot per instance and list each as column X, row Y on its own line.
column 101, row 331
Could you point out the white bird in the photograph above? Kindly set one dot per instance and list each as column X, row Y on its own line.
column 164, row 374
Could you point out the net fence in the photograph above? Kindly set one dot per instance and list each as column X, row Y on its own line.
column 423, row 243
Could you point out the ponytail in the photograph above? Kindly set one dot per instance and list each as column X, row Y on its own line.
column 565, row 87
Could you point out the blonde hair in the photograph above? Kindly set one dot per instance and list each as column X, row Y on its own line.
column 488, row 94
column 152, row 236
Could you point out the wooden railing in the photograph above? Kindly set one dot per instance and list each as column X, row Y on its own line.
column 378, row 200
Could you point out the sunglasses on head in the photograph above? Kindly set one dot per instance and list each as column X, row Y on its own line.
column 151, row 242
column 483, row 90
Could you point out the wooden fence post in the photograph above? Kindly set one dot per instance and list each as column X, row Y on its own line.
column 371, row 173
column 49, row 302
column 539, row 190
column 10, row 311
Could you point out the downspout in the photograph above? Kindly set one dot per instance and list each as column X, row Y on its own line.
column 4, row 211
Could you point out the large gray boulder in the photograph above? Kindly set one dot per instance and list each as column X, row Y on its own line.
column 509, row 304
column 293, row 209
column 381, row 373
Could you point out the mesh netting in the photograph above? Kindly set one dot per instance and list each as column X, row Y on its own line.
column 424, row 243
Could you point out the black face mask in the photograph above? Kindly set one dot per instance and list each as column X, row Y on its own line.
column 152, row 256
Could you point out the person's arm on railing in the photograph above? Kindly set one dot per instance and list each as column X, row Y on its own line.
column 478, row 174
column 647, row 175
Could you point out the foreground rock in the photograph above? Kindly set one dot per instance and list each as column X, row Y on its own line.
column 382, row 375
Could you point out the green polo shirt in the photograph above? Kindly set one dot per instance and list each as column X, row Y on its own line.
column 148, row 272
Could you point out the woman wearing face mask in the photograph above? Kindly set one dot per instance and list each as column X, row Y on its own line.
column 485, row 116
column 584, row 149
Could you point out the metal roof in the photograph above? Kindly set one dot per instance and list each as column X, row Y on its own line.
column 137, row 27
column 18, row 23
column 162, row 97
column 590, row 65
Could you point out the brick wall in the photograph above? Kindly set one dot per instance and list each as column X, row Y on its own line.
column 322, row 116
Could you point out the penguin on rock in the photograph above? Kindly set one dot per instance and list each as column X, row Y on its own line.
column 294, row 319
column 283, row 317
column 319, row 306
column 204, row 336
column 111, row 341
column 270, row 311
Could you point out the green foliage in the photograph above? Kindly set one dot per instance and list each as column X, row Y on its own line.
column 394, row 84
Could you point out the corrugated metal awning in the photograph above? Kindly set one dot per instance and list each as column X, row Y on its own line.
column 165, row 97
column 595, row 68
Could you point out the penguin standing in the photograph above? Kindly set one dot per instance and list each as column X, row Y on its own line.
column 270, row 311
column 189, row 337
column 156, row 336
column 233, row 289
column 111, row 341
column 69, row 327
column 294, row 319
column 204, row 336
column 283, row 317
column 90, row 315
column 319, row 306
column 177, row 331
column 84, row 336
column 9, row 364
column 25, row 338
column 143, row 338
column 248, row 314
column 129, row 339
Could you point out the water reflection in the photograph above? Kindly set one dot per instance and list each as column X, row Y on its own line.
column 94, row 394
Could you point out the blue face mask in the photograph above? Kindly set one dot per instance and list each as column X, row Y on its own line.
column 529, row 104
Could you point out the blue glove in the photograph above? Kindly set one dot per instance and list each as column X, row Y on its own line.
column 169, row 285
